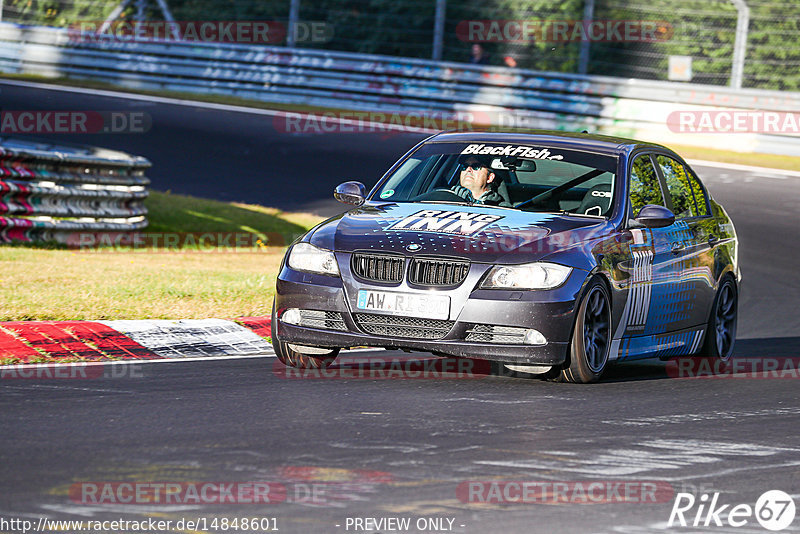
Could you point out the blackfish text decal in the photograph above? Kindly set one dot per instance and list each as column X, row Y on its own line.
column 511, row 150
column 446, row 222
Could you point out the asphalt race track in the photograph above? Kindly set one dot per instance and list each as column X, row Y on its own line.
column 385, row 448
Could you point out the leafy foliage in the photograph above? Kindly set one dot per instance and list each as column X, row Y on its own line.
column 702, row 29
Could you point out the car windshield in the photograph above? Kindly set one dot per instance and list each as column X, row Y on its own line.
column 511, row 175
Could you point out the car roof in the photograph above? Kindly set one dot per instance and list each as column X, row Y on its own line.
column 603, row 144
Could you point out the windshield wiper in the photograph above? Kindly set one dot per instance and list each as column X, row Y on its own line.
column 573, row 214
column 565, row 212
column 453, row 202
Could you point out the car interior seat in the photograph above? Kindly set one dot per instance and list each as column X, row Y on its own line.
column 502, row 188
column 596, row 201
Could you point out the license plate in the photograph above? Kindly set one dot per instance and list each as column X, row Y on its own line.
column 409, row 304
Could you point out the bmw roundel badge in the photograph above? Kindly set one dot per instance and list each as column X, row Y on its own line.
column 413, row 247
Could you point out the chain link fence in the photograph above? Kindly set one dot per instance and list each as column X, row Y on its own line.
column 705, row 31
column 698, row 36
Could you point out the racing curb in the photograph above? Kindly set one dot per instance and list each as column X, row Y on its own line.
column 54, row 341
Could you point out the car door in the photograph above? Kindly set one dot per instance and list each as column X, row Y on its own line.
column 652, row 274
column 692, row 241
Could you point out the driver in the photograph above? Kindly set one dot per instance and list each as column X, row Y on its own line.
column 477, row 182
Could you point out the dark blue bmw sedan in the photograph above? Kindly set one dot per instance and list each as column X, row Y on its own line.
column 553, row 253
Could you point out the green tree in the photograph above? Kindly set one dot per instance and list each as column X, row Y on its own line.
column 702, row 29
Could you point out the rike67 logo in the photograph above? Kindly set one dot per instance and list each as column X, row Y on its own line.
column 774, row 510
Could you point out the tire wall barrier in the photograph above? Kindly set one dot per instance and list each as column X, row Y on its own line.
column 51, row 192
column 496, row 96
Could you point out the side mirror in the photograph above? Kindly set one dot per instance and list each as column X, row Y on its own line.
column 652, row 216
column 350, row 193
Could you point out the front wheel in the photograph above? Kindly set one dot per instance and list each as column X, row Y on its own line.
column 291, row 355
column 299, row 356
column 591, row 337
column 721, row 328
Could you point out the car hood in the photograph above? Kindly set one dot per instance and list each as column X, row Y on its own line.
column 477, row 233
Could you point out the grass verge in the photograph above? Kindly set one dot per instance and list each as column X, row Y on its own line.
column 690, row 152
column 54, row 283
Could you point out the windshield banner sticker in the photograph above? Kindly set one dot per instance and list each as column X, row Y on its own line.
column 511, row 150
column 446, row 222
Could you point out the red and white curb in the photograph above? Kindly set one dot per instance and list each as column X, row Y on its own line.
column 193, row 337
column 53, row 341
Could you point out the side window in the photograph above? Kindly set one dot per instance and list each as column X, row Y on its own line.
column 644, row 188
column 699, row 196
column 680, row 190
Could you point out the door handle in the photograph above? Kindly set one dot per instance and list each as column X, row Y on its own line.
column 712, row 240
column 677, row 247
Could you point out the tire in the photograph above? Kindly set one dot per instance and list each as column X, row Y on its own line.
column 591, row 336
column 720, row 334
column 293, row 358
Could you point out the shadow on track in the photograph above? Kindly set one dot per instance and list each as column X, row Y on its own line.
column 777, row 357
column 754, row 358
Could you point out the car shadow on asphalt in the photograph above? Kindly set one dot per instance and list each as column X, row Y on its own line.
column 777, row 357
column 753, row 358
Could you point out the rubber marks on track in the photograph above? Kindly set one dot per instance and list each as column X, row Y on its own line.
column 22, row 342
column 193, row 337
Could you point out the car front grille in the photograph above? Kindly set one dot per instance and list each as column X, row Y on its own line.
column 430, row 272
column 405, row 327
column 378, row 268
column 496, row 334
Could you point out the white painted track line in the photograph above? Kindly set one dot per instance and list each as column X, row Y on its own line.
column 215, row 106
column 746, row 168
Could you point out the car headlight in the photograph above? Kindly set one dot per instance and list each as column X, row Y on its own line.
column 539, row 275
column 306, row 257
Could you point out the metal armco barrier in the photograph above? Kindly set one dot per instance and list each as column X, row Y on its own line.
column 504, row 97
column 49, row 191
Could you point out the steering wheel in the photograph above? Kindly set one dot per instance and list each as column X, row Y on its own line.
column 440, row 194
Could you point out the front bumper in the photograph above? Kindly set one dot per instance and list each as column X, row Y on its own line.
column 550, row 312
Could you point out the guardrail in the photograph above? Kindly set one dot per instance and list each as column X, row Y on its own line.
column 48, row 192
column 342, row 80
